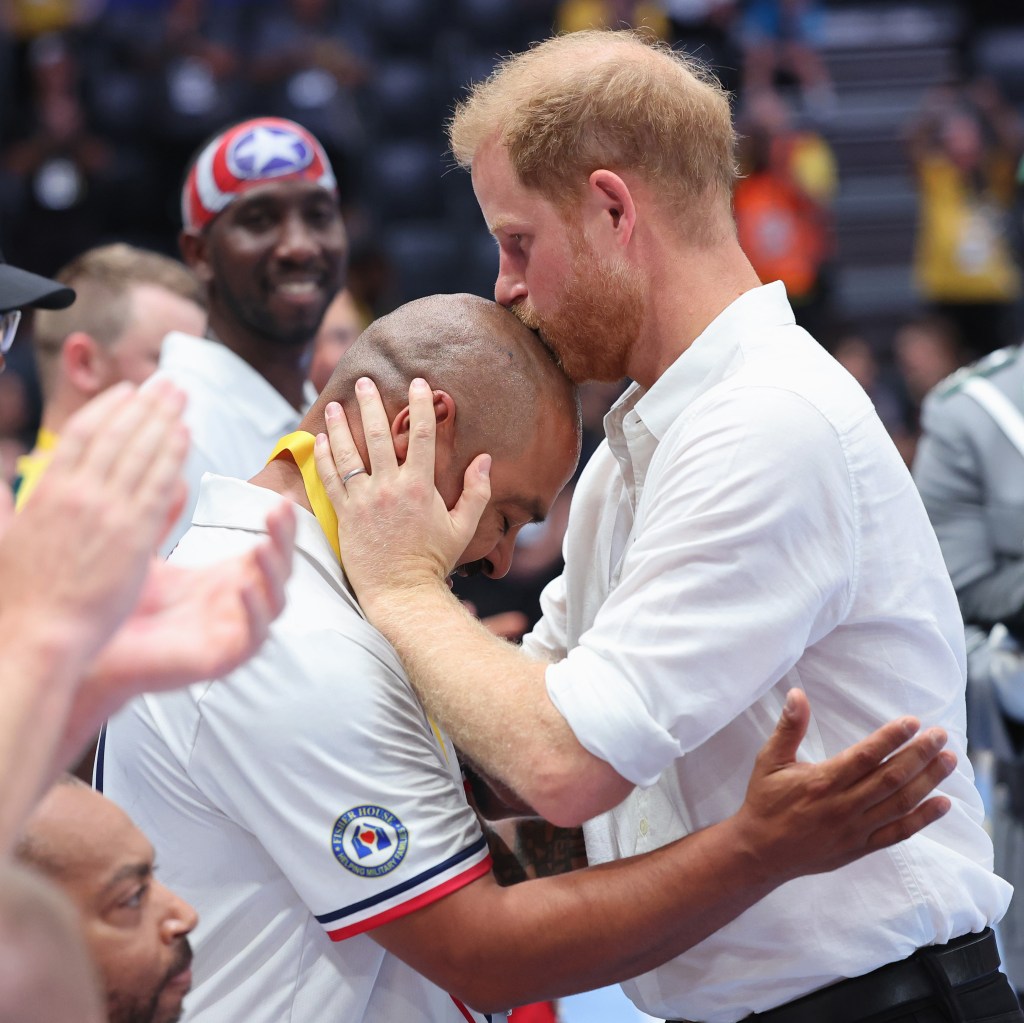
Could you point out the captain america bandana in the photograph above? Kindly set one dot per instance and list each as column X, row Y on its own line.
column 248, row 155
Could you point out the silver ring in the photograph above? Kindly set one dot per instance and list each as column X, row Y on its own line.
column 351, row 473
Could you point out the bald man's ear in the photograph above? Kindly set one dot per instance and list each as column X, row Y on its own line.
column 444, row 416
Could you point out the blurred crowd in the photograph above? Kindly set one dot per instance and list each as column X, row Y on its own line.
column 112, row 97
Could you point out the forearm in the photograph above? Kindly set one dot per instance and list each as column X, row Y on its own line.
column 492, row 700
column 39, row 675
column 568, row 936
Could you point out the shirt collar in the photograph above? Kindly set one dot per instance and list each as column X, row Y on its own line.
column 219, row 366
column 235, row 504
column 707, row 360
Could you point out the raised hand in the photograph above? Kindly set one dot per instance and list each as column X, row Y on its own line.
column 192, row 624
column 75, row 560
column 800, row 818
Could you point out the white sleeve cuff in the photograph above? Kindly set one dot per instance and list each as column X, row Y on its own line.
column 609, row 718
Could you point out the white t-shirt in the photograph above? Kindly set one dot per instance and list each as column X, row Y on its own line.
column 234, row 415
column 299, row 803
column 749, row 527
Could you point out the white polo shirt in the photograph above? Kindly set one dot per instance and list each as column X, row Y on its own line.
column 298, row 803
column 234, row 415
column 747, row 527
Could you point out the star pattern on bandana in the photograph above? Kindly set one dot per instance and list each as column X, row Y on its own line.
column 269, row 152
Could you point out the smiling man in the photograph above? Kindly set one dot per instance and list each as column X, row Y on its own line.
column 135, row 929
column 263, row 232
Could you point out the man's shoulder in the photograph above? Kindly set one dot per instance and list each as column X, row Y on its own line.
column 200, row 366
column 1000, row 367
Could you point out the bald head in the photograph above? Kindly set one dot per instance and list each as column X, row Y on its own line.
column 503, row 380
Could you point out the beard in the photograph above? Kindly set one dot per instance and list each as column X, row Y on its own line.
column 144, row 1006
column 598, row 317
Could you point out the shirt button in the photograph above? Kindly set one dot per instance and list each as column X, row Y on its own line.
column 644, row 826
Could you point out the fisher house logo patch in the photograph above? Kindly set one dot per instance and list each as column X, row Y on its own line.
column 369, row 841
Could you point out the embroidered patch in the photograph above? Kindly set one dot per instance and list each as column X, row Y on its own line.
column 369, row 841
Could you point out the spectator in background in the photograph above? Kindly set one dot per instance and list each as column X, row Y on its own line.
column 128, row 300
column 194, row 57
column 308, row 61
column 341, row 325
column 135, row 929
column 964, row 147
column 784, row 36
column 708, row 30
column 263, row 232
column 63, row 173
column 578, row 15
column 782, row 206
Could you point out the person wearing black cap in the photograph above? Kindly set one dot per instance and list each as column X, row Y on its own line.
column 20, row 290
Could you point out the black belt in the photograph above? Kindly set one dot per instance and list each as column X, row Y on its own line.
column 920, row 977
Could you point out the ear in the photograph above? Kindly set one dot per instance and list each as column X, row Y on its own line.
column 84, row 363
column 610, row 204
column 192, row 244
column 444, row 416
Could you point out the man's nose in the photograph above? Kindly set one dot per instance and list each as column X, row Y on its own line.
column 499, row 561
column 297, row 241
column 509, row 287
column 179, row 919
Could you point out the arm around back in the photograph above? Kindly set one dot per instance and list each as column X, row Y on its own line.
column 559, row 935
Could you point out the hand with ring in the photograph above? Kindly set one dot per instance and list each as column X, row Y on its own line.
column 394, row 528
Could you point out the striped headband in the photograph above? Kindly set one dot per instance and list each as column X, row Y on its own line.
column 245, row 156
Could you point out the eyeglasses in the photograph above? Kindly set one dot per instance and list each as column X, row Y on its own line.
column 8, row 328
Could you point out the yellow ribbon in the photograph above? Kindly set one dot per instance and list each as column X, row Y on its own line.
column 300, row 446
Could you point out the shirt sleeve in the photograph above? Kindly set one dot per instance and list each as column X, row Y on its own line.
column 547, row 640
column 320, row 749
column 742, row 555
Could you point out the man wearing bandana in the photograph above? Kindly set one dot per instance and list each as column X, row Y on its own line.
column 263, row 231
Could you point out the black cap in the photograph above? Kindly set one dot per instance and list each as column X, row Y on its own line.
column 20, row 289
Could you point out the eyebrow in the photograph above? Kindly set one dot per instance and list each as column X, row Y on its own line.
column 531, row 508
column 131, row 872
column 501, row 224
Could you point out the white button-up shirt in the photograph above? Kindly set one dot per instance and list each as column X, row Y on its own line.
column 747, row 527
column 234, row 415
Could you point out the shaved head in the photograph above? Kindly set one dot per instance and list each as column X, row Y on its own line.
column 502, row 378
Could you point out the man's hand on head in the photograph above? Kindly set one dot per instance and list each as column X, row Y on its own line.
column 394, row 528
